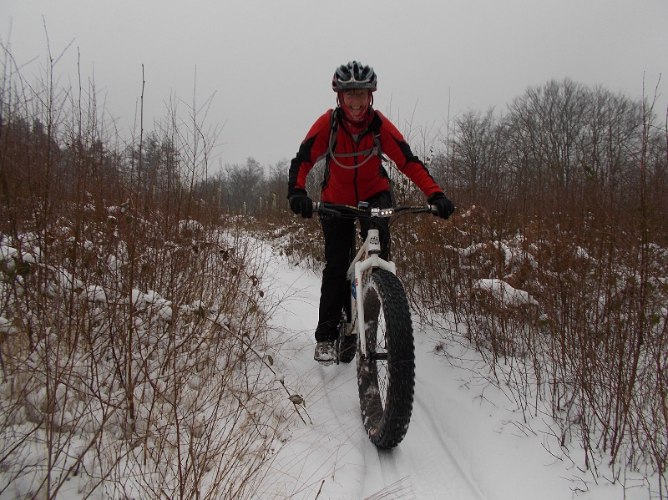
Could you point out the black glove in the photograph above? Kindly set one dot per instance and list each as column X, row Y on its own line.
column 301, row 204
column 442, row 204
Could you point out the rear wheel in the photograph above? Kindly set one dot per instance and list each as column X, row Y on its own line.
column 386, row 375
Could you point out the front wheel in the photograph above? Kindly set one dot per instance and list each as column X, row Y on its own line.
column 386, row 375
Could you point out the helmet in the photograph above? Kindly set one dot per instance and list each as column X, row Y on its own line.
column 354, row 75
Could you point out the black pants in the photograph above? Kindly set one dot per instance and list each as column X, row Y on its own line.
column 339, row 237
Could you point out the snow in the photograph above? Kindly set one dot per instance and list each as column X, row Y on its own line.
column 505, row 292
column 467, row 439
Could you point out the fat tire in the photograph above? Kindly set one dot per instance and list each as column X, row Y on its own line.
column 386, row 387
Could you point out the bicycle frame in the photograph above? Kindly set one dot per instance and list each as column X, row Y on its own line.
column 367, row 257
column 366, row 260
column 385, row 346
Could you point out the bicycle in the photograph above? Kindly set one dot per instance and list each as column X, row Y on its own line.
column 378, row 328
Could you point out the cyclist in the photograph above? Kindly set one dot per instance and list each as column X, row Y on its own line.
column 351, row 138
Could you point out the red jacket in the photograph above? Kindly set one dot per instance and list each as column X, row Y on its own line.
column 365, row 176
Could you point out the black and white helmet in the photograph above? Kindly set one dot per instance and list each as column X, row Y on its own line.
column 354, row 75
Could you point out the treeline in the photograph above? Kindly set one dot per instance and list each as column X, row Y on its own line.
column 561, row 147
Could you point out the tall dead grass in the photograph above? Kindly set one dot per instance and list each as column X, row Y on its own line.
column 132, row 324
column 587, row 342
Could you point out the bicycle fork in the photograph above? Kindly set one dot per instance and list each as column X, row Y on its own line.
column 365, row 261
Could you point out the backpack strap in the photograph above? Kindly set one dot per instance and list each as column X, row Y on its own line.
column 367, row 153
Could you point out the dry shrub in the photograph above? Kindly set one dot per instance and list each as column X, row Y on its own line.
column 587, row 340
column 132, row 316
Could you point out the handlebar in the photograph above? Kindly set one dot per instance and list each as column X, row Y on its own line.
column 348, row 211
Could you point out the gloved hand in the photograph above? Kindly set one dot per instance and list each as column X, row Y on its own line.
column 443, row 205
column 301, row 204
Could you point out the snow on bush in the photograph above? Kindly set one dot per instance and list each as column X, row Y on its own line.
column 155, row 389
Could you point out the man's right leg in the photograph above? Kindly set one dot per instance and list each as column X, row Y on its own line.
column 338, row 236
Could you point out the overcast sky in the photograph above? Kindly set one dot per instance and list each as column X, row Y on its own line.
column 270, row 62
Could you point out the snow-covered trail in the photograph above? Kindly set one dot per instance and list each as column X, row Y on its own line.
column 336, row 457
column 461, row 443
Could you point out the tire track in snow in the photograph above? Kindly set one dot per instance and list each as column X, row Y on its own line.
column 428, row 463
column 446, row 447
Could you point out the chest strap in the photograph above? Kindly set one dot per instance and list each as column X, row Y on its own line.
column 367, row 153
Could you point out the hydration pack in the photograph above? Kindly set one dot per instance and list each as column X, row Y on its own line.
column 367, row 154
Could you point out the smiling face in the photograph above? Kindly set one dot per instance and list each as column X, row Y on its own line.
column 356, row 103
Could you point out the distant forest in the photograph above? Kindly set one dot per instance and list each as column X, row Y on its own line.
column 561, row 147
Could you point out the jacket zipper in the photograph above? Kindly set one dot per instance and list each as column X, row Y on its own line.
column 356, row 146
column 355, row 159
